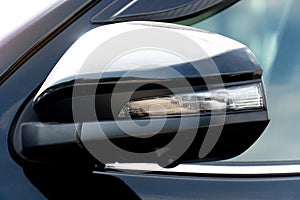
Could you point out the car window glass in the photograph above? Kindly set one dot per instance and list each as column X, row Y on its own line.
column 271, row 30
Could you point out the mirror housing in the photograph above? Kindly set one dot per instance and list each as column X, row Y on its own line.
column 148, row 92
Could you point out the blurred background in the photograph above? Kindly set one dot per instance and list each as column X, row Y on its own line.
column 271, row 29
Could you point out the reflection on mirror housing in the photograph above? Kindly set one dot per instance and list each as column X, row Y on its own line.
column 210, row 98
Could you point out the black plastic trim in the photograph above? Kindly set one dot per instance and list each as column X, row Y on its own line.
column 44, row 142
column 204, row 8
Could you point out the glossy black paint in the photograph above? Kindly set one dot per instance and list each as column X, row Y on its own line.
column 14, row 91
column 158, row 186
column 20, row 83
column 15, row 85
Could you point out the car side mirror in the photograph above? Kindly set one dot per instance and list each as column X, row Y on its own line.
column 148, row 92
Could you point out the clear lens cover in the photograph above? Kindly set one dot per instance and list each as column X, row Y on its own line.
column 234, row 98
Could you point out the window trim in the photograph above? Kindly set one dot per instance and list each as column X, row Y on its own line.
column 220, row 168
